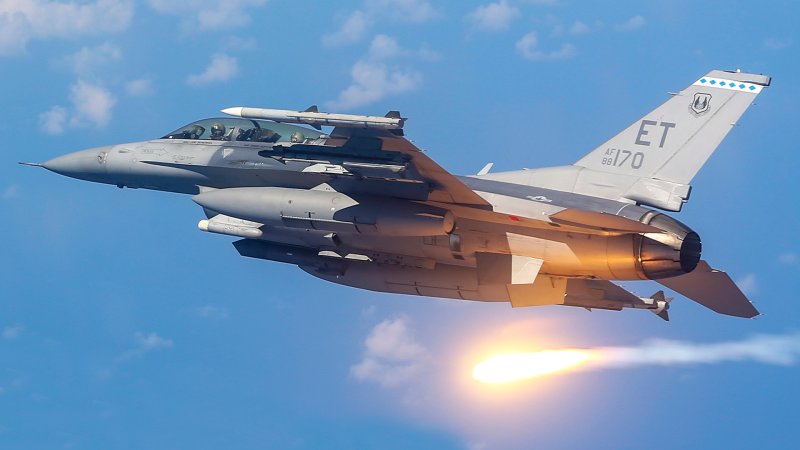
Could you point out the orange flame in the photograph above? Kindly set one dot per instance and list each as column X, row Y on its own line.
column 519, row 366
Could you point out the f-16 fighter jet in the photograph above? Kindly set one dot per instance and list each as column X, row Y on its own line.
column 360, row 205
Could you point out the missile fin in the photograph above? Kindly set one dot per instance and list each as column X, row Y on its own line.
column 663, row 305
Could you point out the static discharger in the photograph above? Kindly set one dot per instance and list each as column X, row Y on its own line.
column 311, row 116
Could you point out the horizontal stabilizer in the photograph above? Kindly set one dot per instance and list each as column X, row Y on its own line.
column 713, row 289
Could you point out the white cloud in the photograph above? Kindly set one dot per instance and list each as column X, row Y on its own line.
column 634, row 23
column 145, row 343
column 356, row 24
column 241, row 43
column 10, row 192
column 493, row 16
column 92, row 105
column 139, row 87
column 374, row 78
column 384, row 47
column 776, row 43
column 428, row 54
column 352, row 30
column 211, row 312
column 369, row 311
column 748, row 284
column 23, row 20
column 409, row 11
column 222, row 68
column 54, row 120
column 209, row 15
column 88, row 59
column 528, row 47
column 372, row 81
column 576, row 28
column 151, row 341
column 14, row 34
column 579, row 28
column 391, row 355
column 12, row 332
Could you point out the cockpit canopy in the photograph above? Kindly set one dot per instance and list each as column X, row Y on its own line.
column 248, row 130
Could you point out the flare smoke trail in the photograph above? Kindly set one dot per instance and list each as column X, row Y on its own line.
column 767, row 349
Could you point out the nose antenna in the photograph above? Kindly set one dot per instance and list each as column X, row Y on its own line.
column 32, row 164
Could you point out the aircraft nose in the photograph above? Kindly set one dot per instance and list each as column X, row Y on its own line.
column 87, row 165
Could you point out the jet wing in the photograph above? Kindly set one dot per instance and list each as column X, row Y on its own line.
column 713, row 289
column 445, row 187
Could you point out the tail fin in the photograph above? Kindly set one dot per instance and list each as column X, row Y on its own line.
column 668, row 146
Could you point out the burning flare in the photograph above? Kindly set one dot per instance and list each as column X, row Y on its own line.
column 520, row 366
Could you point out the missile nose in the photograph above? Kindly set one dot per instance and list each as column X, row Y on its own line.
column 87, row 165
column 235, row 111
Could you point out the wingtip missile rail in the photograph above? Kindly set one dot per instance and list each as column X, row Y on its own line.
column 392, row 121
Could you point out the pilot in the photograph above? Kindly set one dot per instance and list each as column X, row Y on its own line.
column 265, row 135
column 297, row 137
column 195, row 132
column 218, row 132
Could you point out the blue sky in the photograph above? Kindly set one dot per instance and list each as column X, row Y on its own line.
column 122, row 326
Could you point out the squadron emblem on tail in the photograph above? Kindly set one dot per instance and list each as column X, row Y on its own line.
column 701, row 103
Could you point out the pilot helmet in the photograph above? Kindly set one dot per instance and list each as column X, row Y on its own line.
column 298, row 137
column 217, row 130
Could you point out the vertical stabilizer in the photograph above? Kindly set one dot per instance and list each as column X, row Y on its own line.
column 669, row 145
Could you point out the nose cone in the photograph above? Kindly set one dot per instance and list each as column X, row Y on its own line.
column 89, row 165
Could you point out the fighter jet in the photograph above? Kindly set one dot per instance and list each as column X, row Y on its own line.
column 362, row 206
